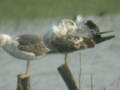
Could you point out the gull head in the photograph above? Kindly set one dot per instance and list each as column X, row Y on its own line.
column 4, row 39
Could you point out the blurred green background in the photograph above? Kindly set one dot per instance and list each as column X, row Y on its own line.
column 29, row 9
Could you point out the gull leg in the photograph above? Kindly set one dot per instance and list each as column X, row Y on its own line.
column 27, row 74
column 28, row 68
column 66, row 58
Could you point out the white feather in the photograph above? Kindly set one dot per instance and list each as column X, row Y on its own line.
column 10, row 46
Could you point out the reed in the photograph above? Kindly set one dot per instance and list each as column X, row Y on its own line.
column 80, row 73
column 91, row 79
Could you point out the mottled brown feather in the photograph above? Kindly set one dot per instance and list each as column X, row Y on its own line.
column 32, row 43
column 70, row 43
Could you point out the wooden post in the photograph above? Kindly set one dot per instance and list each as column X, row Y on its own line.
column 23, row 83
column 67, row 76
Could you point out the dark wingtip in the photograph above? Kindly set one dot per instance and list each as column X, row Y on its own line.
column 105, row 38
column 108, row 37
column 99, row 33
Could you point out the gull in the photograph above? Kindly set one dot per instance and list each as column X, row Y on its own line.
column 69, row 36
column 26, row 47
column 61, row 38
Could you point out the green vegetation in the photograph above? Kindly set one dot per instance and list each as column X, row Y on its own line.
column 17, row 9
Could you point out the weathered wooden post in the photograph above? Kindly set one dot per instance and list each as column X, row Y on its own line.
column 67, row 77
column 23, row 83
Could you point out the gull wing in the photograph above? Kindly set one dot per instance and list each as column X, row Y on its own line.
column 31, row 43
column 71, row 43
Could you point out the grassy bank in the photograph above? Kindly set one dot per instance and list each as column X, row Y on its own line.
column 12, row 9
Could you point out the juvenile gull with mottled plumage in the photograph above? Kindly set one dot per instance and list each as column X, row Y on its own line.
column 62, row 38
column 70, row 36
column 26, row 47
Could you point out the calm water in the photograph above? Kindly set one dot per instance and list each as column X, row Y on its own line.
column 103, row 61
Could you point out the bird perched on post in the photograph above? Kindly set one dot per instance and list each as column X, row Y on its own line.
column 26, row 47
column 70, row 36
